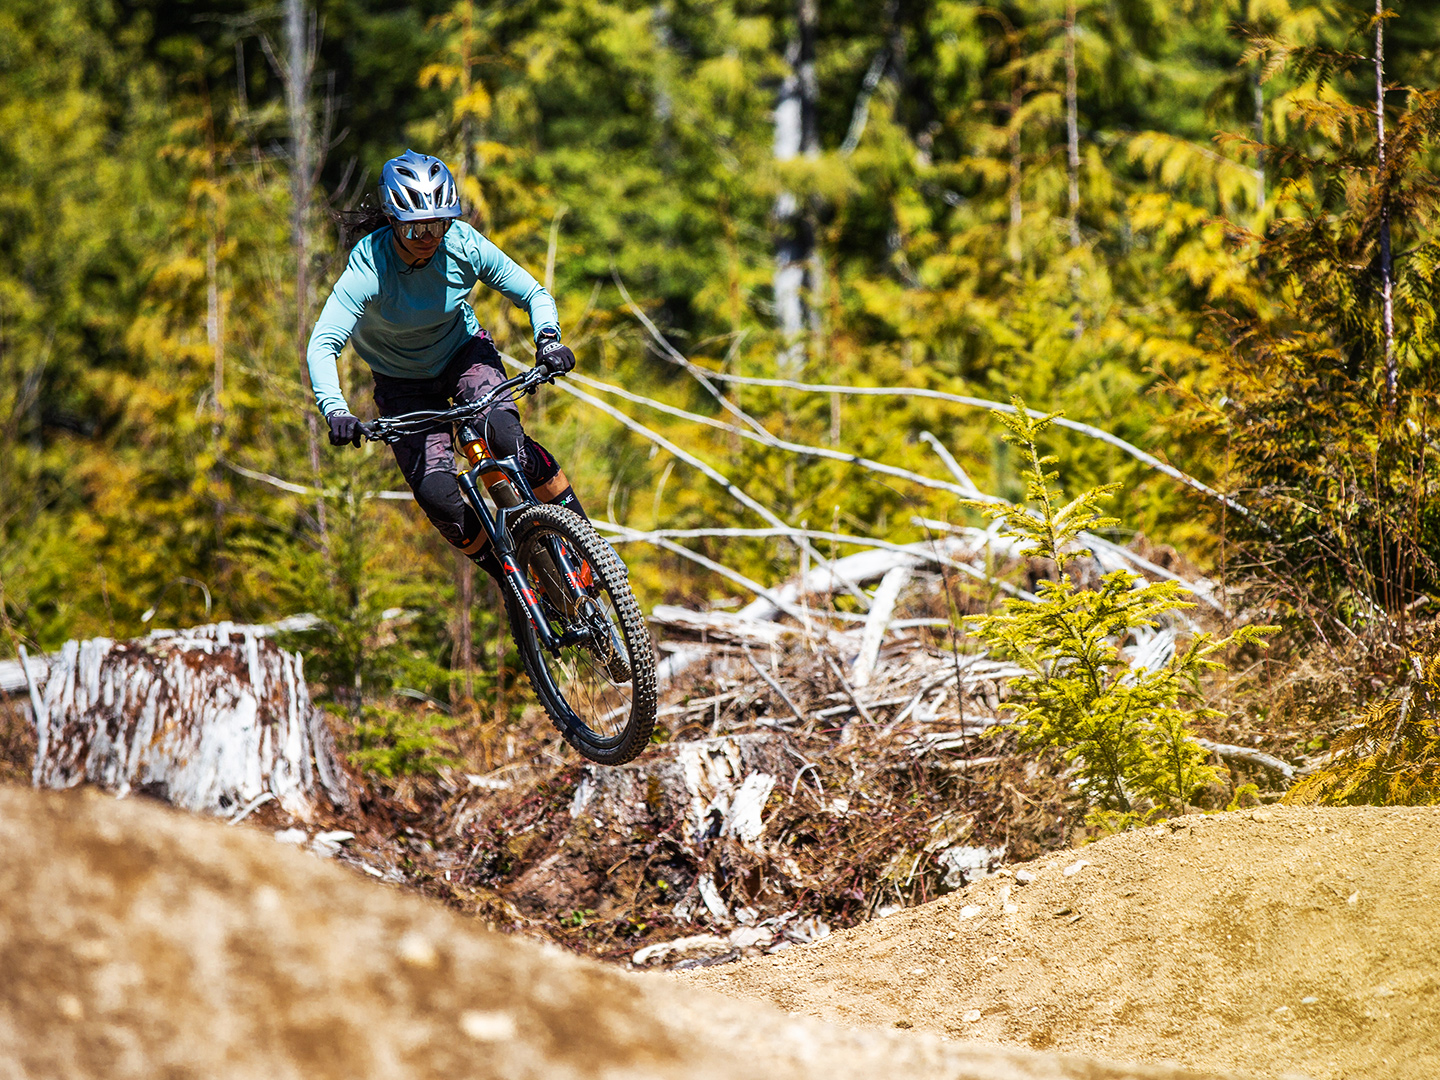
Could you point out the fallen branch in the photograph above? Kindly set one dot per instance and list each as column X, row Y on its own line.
column 845, row 686
column 994, row 406
column 882, row 607
column 1250, row 756
column 567, row 385
column 770, row 682
column 310, row 492
column 922, row 552
column 967, row 492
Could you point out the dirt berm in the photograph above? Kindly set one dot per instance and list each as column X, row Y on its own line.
column 1276, row 942
column 136, row 942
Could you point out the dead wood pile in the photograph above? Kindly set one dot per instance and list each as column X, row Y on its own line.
column 817, row 767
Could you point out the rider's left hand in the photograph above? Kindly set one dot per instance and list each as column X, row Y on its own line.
column 554, row 357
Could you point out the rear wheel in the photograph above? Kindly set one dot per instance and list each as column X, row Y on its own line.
column 600, row 691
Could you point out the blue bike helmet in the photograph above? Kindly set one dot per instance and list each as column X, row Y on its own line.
column 418, row 187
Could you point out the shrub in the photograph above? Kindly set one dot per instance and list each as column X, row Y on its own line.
column 1124, row 729
column 1392, row 756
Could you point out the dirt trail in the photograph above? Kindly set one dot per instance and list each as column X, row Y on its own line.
column 138, row 942
column 1278, row 942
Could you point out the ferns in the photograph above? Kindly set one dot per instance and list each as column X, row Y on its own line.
column 1391, row 757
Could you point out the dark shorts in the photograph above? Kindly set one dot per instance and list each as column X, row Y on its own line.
column 428, row 461
column 474, row 370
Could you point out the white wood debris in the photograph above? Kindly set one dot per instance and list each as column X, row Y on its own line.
column 210, row 719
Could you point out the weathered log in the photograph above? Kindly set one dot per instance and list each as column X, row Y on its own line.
column 695, row 794
column 882, row 607
column 210, row 719
column 712, row 787
column 1250, row 756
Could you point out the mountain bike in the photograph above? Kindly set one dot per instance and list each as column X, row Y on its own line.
column 577, row 625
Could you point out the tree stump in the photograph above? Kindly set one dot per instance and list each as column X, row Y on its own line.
column 214, row 719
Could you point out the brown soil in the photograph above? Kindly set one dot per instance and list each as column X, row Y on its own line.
column 1282, row 942
column 138, row 942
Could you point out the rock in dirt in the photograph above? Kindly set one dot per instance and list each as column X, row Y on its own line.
column 138, row 942
column 1232, row 942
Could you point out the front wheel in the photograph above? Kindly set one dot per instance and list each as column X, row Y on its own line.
column 600, row 691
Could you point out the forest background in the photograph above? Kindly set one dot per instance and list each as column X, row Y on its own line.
column 1175, row 222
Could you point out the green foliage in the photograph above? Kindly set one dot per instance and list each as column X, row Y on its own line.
column 1124, row 729
column 394, row 743
column 1329, row 417
column 1391, row 756
column 148, row 303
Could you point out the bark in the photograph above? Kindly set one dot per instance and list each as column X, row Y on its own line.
column 709, row 789
column 1017, row 100
column 210, row 719
column 464, row 630
column 796, row 133
column 1072, row 124
column 1259, row 91
column 296, row 71
column 1387, row 267
column 881, row 610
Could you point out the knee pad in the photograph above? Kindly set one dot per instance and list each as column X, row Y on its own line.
column 506, row 438
column 503, row 433
column 539, row 464
column 439, row 496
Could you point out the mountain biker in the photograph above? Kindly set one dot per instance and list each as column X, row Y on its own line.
column 401, row 302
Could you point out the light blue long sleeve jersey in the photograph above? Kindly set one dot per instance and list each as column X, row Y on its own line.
column 407, row 323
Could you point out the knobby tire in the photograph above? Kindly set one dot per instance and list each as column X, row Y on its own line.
column 607, row 720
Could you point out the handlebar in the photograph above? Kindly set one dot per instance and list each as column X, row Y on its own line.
column 391, row 428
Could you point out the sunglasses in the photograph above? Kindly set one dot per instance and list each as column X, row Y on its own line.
column 414, row 230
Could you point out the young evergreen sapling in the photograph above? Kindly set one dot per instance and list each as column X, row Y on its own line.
column 1125, row 729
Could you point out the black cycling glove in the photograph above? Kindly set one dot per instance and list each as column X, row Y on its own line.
column 344, row 428
column 555, row 358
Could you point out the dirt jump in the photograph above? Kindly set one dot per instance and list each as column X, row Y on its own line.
column 136, row 941
column 1278, row 942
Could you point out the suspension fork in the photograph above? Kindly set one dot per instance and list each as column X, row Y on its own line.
column 560, row 555
column 497, row 527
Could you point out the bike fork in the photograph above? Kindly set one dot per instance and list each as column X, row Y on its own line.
column 499, row 533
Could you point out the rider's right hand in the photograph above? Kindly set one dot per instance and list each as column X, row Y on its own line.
column 344, row 428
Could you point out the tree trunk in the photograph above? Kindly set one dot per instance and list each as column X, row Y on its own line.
column 796, row 132
column 1017, row 100
column 213, row 719
column 464, row 633
column 1072, row 124
column 297, row 70
column 1387, row 267
column 1259, row 91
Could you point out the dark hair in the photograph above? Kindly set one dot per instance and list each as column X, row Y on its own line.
column 360, row 220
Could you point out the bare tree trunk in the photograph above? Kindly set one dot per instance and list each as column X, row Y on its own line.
column 1017, row 101
column 1259, row 91
column 299, row 66
column 1387, row 266
column 1072, row 124
column 467, row 118
column 796, row 132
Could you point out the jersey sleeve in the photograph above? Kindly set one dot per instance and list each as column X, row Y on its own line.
column 356, row 287
column 507, row 277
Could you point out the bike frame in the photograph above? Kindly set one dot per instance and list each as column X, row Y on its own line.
column 494, row 474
